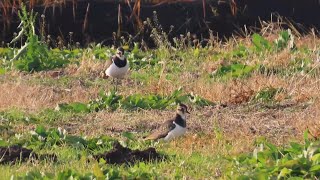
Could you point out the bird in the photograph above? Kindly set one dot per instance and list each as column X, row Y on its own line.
column 117, row 66
column 172, row 128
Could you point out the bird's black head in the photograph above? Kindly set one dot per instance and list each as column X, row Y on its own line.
column 120, row 51
column 183, row 108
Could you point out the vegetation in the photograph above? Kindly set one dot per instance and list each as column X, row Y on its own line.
column 268, row 161
column 133, row 102
column 254, row 105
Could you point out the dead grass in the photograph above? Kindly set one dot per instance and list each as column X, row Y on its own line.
column 237, row 122
column 238, row 125
column 87, row 67
column 37, row 97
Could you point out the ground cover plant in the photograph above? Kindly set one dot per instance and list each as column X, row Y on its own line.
column 254, row 105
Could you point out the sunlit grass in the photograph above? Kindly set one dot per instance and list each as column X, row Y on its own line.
column 260, row 86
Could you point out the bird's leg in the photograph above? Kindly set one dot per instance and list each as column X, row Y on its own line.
column 117, row 83
column 124, row 82
column 114, row 84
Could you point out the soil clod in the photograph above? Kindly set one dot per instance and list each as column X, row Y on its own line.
column 15, row 153
column 124, row 155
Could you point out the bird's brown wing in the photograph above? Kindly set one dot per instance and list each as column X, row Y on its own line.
column 162, row 131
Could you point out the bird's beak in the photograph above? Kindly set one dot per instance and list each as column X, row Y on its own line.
column 187, row 111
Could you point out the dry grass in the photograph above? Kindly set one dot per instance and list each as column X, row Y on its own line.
column 240, row 123
column 246, row 122
column 37, row 97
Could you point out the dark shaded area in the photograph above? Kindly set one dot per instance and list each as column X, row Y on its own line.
column 103, row 18
column 123, row 155
column 15, row 153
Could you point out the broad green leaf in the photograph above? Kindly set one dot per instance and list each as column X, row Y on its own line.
column 97, row 171
column 79, row 107
column 306, row 138
column 285, row 39
column 316, row 158
column 315, row 168
column 75, row 140
column 290, row 163
column 128, row 135
column 261, row 156
column 40, row 130
column 196, row 52
column 296, row 147
column 260, row 43
column 3, row 143
column 240, row 52
column 295, row 178
column 2, row 71
column 284, row 173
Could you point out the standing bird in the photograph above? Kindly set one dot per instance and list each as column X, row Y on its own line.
column 172, row 128
column 117, row 66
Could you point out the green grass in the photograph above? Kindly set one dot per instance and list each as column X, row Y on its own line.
column 255, row 77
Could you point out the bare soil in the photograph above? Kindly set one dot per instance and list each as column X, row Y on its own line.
column 15, row 153
column 124, row 155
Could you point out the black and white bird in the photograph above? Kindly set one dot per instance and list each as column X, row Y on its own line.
column 172, row 128
column 117, row 66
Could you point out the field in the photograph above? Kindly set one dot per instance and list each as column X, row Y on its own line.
column 254, row 104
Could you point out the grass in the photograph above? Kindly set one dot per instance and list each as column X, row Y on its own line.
column 260, row 86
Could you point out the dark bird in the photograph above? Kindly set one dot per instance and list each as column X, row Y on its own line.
column 172, row 128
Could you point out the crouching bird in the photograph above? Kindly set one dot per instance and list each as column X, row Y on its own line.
column 172, row 128
column 117, row 66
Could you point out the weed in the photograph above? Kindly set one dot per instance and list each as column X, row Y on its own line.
column 33, row 55
column 285, row 40
column 260, row 43
column 218, row 139
column 114, row 101
column 236, row 70
column 267, row 94
column 270, row 161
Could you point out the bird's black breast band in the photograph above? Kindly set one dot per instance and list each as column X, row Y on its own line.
column 120, row 63
column 181, row 122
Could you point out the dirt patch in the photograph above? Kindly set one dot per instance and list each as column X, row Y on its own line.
column 123, row 155
column 15, row 153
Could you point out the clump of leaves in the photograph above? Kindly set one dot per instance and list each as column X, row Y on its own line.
column 285, row 40
column 236, row 70
column 113, row 101
column 240, row 52
column 42, row 137
column 267, row 94
column 6, row 53
column 138, row 171
column 260, row 43
column 100, row 52
column 66, row 174
column 34, row 55
column 301, row 64
column 139, row 59
column 300, row 161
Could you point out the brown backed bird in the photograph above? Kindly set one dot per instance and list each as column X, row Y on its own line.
column 172, row 128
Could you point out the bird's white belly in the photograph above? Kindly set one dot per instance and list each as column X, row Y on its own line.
column 176, row 132
column 116, row 72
